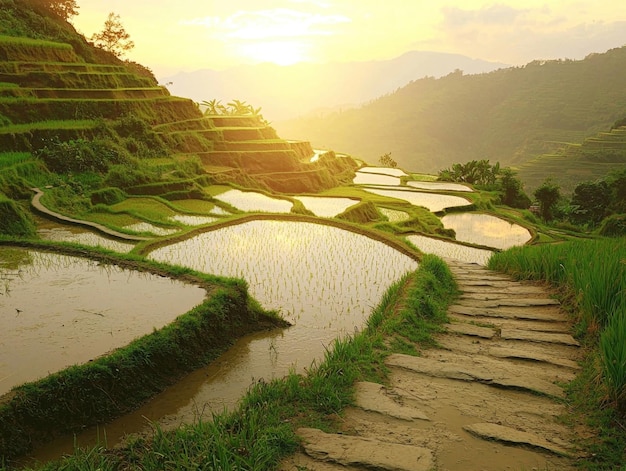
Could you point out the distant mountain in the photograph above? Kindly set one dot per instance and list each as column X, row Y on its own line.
column 286, row 92
column 509, row 115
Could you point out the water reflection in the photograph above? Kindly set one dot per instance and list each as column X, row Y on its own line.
column 252, row 201
column 446, row 249
column 486, row 230
column 433, row 201
column 58, row 311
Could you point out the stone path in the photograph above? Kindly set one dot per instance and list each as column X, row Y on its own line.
column 489, row 399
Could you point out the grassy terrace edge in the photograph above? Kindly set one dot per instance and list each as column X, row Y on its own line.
column 261, row 431
column 115, row 384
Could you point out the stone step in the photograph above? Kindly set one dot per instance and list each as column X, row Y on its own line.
column 468, row 300
column 495, row 374
column 369, row 453
column 511, row 288
column 513, row 436
column 534, row 336
column 551, row 358
column 538, row 313
column 471, row 330
column 532, row 355
column 377, row 398
column 503, row 323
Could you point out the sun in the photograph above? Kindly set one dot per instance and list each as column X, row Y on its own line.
column 281, row 52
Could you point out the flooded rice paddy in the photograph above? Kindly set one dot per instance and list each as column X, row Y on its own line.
column 57, row 311
column 432, row 201
column 445, row 249
column 190, row 220
column 322, row 279
column 394, row 172
column 251, row 201
column 53, row 231
column 364, row 178
column 326, row 207
column 142, row 227
column 394, row 215
column 439, row 186
column 313, row 274
column 486, row 230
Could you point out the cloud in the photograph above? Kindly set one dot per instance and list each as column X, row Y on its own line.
column 493, row 15
column 268, row 24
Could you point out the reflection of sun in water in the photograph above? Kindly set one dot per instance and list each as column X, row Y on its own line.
column 278, row 52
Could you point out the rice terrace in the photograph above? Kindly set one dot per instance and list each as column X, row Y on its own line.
column 185, row 285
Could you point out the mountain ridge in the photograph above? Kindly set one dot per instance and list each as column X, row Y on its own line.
column 509, row 115
column 277, row 88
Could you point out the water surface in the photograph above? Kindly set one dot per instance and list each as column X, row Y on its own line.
column 451, row 250
column 432, row 201
column 252, row 201
column 486, row 230
column 57, row 311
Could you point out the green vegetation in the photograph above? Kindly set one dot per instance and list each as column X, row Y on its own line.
column 592, row 275
column 485, row 176
column 261, row 430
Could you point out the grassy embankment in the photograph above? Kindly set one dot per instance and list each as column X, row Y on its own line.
column 115, row 384
column 592, row 277
column 261, row 431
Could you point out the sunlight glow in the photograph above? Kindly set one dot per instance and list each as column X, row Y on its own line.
column 278, row 52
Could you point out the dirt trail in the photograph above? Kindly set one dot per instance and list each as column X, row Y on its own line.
column 488, row 400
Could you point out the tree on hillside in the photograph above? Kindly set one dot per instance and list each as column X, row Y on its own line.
column 113, row 37
column 65, row 9
column 386, row 160
column 512, row 190
column 475, row 172
column 548, row 194
column 590, row 203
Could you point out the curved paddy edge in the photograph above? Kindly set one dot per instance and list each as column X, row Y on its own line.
column 114, row 384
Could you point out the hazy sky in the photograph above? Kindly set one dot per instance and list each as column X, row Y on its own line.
column 174, row 35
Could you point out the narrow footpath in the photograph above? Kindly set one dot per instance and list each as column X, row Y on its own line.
column 489, row 399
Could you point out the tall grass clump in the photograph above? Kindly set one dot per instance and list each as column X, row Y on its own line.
column 592, row 276
column 593, row 271
column 613, row 355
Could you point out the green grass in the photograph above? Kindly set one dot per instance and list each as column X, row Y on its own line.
column 8, row 159
column 594, row 271
column 21, row 41
column 49, row 125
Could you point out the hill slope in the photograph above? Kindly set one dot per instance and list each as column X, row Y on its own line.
column 289, row 91
column 71, row 112
column 509, row 115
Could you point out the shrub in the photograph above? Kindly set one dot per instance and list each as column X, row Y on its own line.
column 81, row 155
column 13, row 220
column 614, row 226
column 107, row 196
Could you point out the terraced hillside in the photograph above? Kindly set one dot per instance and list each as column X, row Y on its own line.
column 91, row 121
column 575, row 163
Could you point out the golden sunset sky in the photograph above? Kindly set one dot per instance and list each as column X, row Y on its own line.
column 187, row 35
